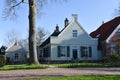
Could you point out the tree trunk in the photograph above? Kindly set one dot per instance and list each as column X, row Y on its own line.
column 32, row 33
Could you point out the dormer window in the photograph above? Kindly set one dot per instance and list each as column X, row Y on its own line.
column 119, row 34
column 75, row 33
column 98, row 36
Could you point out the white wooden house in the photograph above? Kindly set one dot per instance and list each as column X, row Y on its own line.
column 15, row 53
column 72, row 42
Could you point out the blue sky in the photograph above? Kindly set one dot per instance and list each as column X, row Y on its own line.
column 91, row 13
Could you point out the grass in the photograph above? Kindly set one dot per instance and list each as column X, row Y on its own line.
column 92, row 77
column 76, row 65
column 22, row 66
column 65, row 65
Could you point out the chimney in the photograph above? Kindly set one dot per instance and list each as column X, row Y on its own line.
column 16, row 42
column 66, row 22
column 102, row 22
column 57, row 28
column 75, row 16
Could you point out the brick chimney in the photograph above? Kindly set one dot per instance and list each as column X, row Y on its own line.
column 66, row 22
column 57, row 28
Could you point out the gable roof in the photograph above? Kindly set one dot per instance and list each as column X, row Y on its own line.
column 55, row 33
column 106, row 29
column 15, row 47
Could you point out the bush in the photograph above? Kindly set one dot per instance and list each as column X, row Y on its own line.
column 2, row 60
column 113, row 59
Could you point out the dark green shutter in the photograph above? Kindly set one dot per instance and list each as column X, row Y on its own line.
column 81, row 50
column 68, row 51
column 90, row 52
column 58, row 51
column 44, row 52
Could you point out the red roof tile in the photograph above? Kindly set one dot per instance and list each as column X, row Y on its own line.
column 105, row 30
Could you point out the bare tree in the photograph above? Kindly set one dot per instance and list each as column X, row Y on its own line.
column 10, row 37
column 41, row 35
column 33, row 6
column 117, row 11
column 24, row 42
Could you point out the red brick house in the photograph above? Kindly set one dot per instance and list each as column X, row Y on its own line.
column 108, row 35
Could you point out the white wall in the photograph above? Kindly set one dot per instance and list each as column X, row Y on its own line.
column 22, row 57
column 65, row 38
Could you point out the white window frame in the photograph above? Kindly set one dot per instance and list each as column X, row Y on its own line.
column 74, row 47
column 16, row 56
column 118, row 34
column 86, row 51
column 63, row 51
column 74, row 33
column 112, row 48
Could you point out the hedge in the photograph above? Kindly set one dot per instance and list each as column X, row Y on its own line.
column 113, row 59
column 2, row 60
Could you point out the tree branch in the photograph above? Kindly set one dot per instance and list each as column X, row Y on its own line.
column 16, row 4
column 10, row 11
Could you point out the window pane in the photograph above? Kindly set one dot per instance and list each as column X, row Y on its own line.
column 74, row 30
column 90, row 52
column 16, row 55
column 112, row 46
column 68, row 51
column 63, row 51
column 119, row 34
column 74, row 33
column 74, row 47
column 86, row 51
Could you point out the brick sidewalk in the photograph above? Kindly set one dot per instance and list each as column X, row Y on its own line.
column 37, row 73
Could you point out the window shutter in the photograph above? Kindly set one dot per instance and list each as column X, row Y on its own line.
column 68, row 51
column 81, row 50
column 58, row 51
column 90, row 52
column 44, row 52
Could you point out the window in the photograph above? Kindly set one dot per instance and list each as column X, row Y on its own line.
column 112, row 46
column 63, row 51
column 16, row 55
column 41, row 53
column 86, row 51
column 74, row 33
column 74, row 47
column 119, row 34
column 46, row 52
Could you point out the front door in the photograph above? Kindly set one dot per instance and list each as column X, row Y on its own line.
column 75, row 55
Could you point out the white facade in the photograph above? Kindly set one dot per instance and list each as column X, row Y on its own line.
column 16, row 53
column 74, row 37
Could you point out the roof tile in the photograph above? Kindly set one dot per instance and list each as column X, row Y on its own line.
column 105, row 30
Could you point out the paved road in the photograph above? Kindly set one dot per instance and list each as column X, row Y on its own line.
column 20, row 74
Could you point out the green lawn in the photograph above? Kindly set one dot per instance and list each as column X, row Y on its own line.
column 65, row 65
column 82, row 64
column 22, row 66
column 93, row 77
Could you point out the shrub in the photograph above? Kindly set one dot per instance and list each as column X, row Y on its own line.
column 2, row 60
column 113, row 59
column 7, row 60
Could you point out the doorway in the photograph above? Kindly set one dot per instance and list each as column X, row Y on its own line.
column 74, row 52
